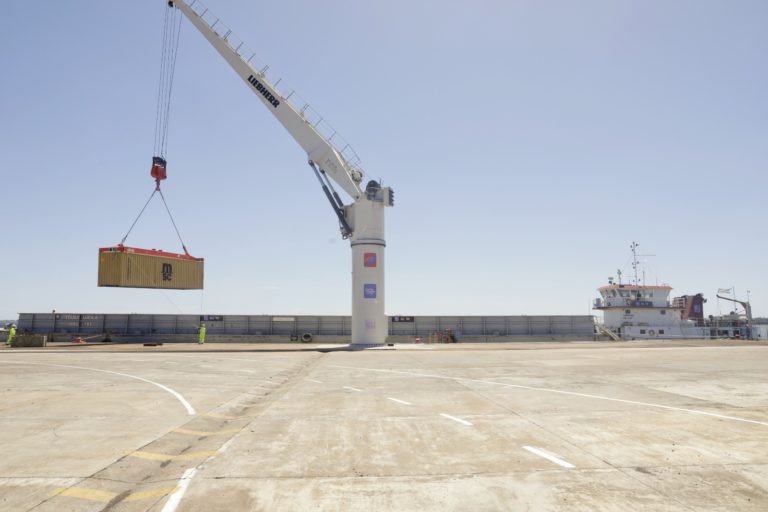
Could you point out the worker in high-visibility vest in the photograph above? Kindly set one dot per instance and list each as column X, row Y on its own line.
column 11, row 335
column 201, row 335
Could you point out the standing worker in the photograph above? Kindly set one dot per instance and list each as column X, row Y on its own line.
column 11, row 335
column 201, row 335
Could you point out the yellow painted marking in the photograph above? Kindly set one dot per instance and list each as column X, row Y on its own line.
column 85, row 494
column 151, row 493
column 206, row 434
column 164, row 457
column 225, row 417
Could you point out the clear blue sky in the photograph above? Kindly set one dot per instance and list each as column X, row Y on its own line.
column 528, row 142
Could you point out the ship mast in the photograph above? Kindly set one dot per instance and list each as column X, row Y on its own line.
column 634, row 247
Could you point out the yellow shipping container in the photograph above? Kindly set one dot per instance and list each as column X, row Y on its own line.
column 129, row 267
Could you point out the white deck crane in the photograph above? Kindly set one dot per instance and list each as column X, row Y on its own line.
column 333, row 161
column 747, row 310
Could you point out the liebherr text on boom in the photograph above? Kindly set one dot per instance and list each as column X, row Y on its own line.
column 332, row 161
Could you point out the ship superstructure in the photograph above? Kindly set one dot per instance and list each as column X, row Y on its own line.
column 639, row 311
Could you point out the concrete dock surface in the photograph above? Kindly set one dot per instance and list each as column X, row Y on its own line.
column 653, row 426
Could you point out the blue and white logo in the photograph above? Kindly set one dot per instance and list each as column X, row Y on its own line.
column 369, row 291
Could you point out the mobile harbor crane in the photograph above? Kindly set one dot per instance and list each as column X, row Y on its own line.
column 332, row 160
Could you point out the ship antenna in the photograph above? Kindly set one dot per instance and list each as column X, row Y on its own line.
column 644, row 262
column 634, row 247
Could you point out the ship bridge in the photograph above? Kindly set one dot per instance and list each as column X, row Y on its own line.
column 627, row 295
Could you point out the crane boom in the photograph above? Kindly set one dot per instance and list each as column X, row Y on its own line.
column 319, row 148
column 746, row 305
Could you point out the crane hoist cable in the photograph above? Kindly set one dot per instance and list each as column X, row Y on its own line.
column 168, row 54
column 155, row 191
column 170, row 48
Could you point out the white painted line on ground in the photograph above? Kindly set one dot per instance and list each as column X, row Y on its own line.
column 351, row 388
column 399, row 401
column 454, row 418
column 175, row 498
column 187, row 405
column 549, row 457
column 315, row 381
column 226, row 445
column 186, row 479
column 561, row 392
column 226, row 370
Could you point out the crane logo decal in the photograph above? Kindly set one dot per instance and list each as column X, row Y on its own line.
column 369, row 291
column 369, row 259
column 263, row 90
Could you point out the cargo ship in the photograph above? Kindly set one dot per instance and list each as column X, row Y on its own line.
column 637, row 311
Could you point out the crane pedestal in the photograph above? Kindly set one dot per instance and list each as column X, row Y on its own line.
column 369, row 323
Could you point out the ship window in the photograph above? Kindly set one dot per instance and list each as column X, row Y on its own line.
column 624, row 293
column 661, row 331
column 642, row 331
column 663, row 311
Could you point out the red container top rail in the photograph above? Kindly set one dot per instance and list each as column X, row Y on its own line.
column 149, row 252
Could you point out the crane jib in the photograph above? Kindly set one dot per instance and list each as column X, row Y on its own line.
column 264, row 91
